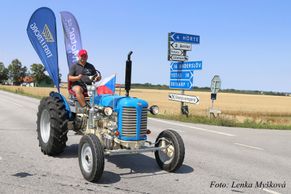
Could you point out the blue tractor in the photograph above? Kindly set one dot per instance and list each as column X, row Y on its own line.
column 113, row 125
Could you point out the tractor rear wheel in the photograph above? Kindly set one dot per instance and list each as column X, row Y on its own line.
column 52, row 127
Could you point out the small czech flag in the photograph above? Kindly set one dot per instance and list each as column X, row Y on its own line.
column 107, row 85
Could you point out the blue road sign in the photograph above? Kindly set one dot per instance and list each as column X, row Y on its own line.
column 188, row 38
column 181, row 84
column 181, row 74
column 184, row 66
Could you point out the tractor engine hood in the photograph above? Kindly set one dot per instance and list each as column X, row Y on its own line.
column 116, row 101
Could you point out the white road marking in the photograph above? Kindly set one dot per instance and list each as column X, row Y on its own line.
column 0, row 158
column 19, row 105
column 248, row 146
column 197, row 128
column 11, row 102
column 270, row 191
column 177, row 130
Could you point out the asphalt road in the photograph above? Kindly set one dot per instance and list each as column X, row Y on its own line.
column 217, row 160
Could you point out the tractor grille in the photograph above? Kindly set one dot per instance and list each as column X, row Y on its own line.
column 129, row 122
column 144, row 121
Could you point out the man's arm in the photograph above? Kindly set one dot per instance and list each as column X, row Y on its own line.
column 75, row 78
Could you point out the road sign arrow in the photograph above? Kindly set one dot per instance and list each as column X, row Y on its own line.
column 181, row 84
column 178, row 58
column 184, row 98
column 187, row 38
column 183, row 66
column 181, row 46
column 181, row 75
column 177, row 52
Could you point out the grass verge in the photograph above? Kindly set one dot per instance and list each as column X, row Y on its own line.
column 20, row 92
column 220, row 121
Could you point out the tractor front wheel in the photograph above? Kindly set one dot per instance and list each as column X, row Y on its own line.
column 171, row 156
column 91, row 157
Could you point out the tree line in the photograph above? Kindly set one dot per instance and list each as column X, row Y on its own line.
column 208, row 89
column 15, row 73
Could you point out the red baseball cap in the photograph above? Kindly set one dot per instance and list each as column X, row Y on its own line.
column 82, row 52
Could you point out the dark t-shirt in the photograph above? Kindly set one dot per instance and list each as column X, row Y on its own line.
column 86, row 70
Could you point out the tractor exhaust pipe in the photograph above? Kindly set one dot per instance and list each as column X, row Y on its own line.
column 128, row 74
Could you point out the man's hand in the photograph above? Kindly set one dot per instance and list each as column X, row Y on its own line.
column 79, row 76
column 98, row 78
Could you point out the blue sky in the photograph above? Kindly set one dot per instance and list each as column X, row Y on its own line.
column 246, row 42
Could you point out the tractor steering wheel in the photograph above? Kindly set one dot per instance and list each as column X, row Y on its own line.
column 93, row 77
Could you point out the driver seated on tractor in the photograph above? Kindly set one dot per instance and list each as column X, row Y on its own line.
column 79, row 76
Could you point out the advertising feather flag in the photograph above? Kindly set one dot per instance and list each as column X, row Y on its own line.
column 42, row 33
column 73, row 43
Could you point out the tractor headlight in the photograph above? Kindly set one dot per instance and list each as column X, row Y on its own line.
column 108, row 111
column 154, row 109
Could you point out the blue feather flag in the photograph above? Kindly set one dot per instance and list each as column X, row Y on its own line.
column 42, row 33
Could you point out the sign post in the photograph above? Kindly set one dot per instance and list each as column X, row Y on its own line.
column 215, row 87
column 182, row 70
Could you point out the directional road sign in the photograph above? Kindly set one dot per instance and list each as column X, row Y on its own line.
column 188, row 38
column 177, row 52
column 181, row 84
column 178, row 58
column 181, row 46
column 189, row 65
column 184, row 98
column 181, row 75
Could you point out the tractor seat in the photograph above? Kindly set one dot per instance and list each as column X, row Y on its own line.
column 72, row 92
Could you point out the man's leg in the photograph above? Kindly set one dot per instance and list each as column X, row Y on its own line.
column 79, row 95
